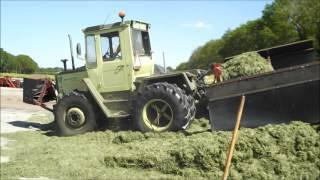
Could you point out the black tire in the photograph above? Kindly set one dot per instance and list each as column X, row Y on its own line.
column 74, row 114
column 161, row 94
column 192, row 107
column 189, row 105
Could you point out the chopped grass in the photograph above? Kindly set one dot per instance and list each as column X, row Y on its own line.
column 271, row 152
column 245, row 64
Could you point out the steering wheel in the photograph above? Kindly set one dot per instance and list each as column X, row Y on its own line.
column 106, row 55
column 116, row 55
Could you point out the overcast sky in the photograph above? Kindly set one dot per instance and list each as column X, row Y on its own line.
column 40, row 29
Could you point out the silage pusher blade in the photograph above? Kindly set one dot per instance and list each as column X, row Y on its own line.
column 281, row 96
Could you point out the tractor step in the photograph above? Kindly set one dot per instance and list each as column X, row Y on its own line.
column 115, row 100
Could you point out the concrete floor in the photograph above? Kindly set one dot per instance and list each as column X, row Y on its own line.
column 14, row 112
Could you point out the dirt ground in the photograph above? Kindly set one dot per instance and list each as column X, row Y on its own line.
column 13, row 109
column 15, row 113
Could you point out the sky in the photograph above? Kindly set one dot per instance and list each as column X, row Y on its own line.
column 40, row 28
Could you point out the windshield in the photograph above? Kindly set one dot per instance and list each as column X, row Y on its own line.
column 141, row 42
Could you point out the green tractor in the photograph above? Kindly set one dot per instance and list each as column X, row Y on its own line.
column 118, row 83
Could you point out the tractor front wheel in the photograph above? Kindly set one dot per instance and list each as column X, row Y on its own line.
column 74, row 114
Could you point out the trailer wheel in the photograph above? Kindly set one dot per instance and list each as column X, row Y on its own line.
column 161, row 107
column 74, row 115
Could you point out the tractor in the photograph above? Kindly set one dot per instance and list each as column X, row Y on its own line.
column 118, row 82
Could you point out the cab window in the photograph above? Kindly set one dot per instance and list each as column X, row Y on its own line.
column 110, row 46
column 141, row 42
column 91, row 51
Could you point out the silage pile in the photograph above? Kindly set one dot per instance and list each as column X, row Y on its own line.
column 271, row 152
column 246, row 64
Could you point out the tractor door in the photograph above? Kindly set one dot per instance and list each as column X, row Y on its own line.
column 93, row 67
column 114, row 71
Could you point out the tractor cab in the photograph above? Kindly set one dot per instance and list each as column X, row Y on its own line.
column 116, row 54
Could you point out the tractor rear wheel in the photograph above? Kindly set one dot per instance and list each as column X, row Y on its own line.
column 74, row 114
column 162, row 107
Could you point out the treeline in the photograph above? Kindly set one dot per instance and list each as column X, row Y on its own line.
column 22, row 64
column 17, row 64
column 283, row 21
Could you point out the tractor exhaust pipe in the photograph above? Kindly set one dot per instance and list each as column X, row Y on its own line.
column 64, row 61
column 71, row 52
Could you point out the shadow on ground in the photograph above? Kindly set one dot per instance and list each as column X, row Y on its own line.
column 46, row 129
column 50, row 129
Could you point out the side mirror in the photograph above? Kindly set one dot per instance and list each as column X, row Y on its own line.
column 78, row 49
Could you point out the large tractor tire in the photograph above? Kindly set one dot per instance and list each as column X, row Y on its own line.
column 74, row 114
column 192, row 107
column 162, row 107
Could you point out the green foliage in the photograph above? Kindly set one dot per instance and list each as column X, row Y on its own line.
column 282, row 21
column 203, row 56
column 182, row 66
column 169, row 69
column 275, row 17
column 22, row 64
column 248, row 37
column 7, row 62
column 206, row 54
column 18, row 64
column 27, row 65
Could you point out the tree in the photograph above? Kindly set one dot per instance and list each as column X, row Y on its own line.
column 294, row 18
column 282, row 21
column 17, row 64
column 182, row 66
column 169, row 69
column 275, row 17
column 8, row 62
column 4, row 63
column 203, row 56
column 27, row 64
column 250, row 36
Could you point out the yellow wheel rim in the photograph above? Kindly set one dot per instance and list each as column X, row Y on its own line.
column 157, row 114
column 75, row 118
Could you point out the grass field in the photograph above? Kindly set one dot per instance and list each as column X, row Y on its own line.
column 16, row 75
column 272, row 152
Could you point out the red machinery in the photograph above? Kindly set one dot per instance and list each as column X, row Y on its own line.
column 38, row 91
column 7, row 81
